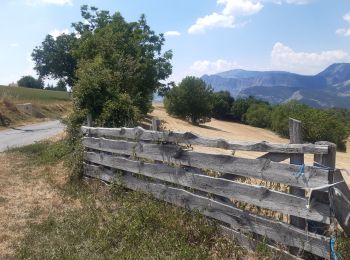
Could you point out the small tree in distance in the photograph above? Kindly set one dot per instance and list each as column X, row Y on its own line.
column 30, row 82
column 191, row 99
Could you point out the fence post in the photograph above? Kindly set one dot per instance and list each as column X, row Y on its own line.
column 327, row 160
column 89, row 119
column 296, row 137
column 155, row 124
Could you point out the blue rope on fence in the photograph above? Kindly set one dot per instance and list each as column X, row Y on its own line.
column 300, row 171
column 334, row 254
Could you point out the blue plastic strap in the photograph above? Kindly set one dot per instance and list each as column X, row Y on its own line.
column 333, row 253
column 300, row 171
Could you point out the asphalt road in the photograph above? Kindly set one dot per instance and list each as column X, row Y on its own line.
column 20, row 136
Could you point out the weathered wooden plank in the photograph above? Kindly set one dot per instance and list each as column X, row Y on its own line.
column 275, row 157
column 139, row 133
column 257, row 195
column 253, row 244
column 237, row 218
column 256, row 168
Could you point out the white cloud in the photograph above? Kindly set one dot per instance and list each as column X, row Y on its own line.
column 200, row 67
column 227, row 17
column 345, row 31
column 232, row 9
column 240, row 7
column 55, row 33
column 172, row 33
column 14, row 45
column 285, row 58
column 211, row 21
column 55, row 2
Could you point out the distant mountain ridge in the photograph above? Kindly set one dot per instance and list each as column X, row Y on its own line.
column 329, row 88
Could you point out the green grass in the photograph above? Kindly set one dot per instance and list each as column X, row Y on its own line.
column 114, row 223
column 33, row 95
column 128, row 226
column 41, row 153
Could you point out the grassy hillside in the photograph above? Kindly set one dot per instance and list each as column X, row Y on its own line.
column 33, row 95
column 47, row 104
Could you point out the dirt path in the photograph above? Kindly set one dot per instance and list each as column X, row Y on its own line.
column 235, row 131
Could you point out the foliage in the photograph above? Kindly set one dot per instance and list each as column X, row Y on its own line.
column 54, row 59
column 258, row 115
column 222, row 103
column 192, row 100
column 60, row 86
column 128, row 54
column 318, row 125
column 241, row 106
column 30, row 82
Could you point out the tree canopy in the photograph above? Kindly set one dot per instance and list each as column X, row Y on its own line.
column 54, row 58
column 192, row 100
column 107, row 61
column 30, row 82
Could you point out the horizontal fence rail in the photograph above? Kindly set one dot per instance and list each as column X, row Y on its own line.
column 263, row 169
column 254, row 194
column 141, row 134
column 164, row 165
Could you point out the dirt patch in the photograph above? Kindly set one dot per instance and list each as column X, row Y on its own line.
column 27, row 195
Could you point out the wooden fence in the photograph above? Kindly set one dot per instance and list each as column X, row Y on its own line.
column 214, row 184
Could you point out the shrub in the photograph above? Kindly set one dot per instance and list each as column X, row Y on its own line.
column 192, row 100
column 258, row 115
column 241, row 106
column 318, row 125
column 30, row 82
column 222, row 103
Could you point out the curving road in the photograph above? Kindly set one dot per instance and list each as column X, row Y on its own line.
column 29, row 134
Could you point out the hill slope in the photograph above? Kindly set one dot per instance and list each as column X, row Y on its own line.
column 329, row 88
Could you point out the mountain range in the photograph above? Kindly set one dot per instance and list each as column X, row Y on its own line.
column 329, row 88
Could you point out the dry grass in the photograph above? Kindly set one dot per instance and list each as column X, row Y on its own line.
column 10, row 116
column 27, row 196
column 44, row 215
column 235, row 131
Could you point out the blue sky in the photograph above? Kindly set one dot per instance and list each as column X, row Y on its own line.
column 206, row 36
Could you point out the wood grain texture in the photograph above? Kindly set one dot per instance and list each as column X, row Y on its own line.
column 257, row 195
column 296, row 137
column 256, row 168
column 236, row 218
column 253, row 244
column 141, row 134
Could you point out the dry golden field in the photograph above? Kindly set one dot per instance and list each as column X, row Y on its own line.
column 235, row 131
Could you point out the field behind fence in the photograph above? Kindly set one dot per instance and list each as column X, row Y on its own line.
column 237, row 192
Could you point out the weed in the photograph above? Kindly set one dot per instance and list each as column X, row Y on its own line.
column 41, row 153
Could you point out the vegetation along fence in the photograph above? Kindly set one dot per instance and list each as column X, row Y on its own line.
column 252, row 199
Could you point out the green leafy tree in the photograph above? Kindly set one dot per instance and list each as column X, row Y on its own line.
column 318, row 125
column 222, row 103
column 241, row 106
column 258, row 115
column 192, row 100
column 116, row 57
column 30, row 82
column 54, row 58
